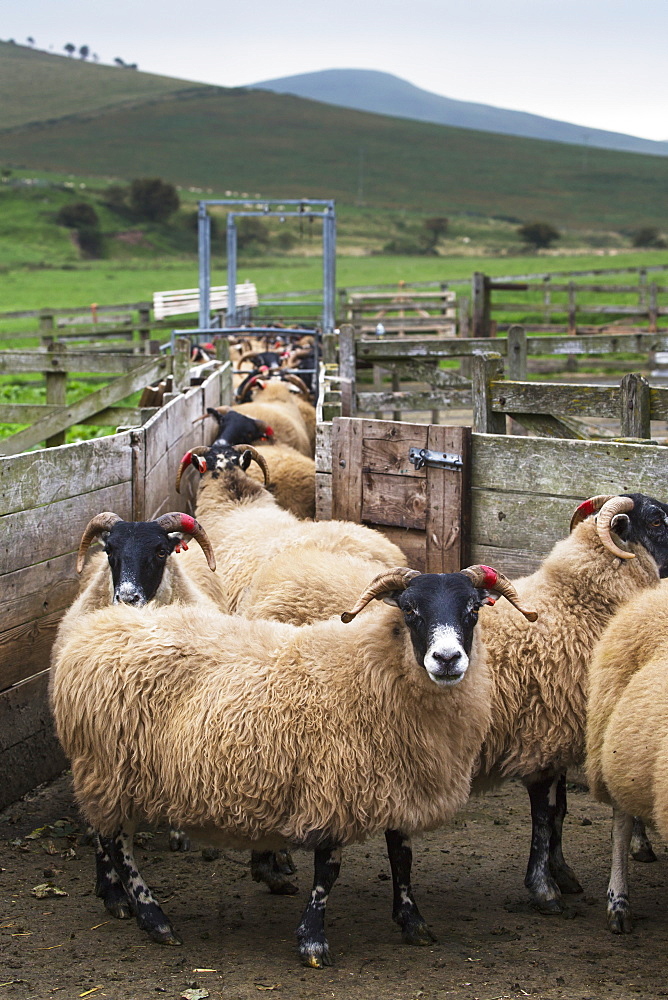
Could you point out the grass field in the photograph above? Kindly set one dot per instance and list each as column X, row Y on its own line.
column 258, row 142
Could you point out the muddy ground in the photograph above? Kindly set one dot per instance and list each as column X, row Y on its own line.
column 239, row 940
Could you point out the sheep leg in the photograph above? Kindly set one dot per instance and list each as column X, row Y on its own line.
column 272, row 868
column 178, row 840
column 543, row 889
column 145, row 906
column 108, row 885
column 641, row 848
column 414, row 928
column 620, row 920
column 313, row 946
column 562, row 873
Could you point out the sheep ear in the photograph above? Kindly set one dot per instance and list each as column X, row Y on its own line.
column 620, row 525
column 245, row 460
column 391, row 598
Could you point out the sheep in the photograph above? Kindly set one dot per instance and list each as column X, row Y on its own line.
column 279, row 408
column 291, row 473
column 627, row 732
column 277, row 381
column 273, row 565
column 316, row 736
column 537, row 728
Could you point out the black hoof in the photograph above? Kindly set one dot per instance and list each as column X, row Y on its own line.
column 315, row 954
column 417, row 934
column 644, row 854
column 548, row 907
column 568, row 883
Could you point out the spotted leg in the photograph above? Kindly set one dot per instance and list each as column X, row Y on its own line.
column 562, row 873
column 108, row 885
column 620, row 919
column 414, row 928
column 641, row 848
column 143, row 903
column 272, row 868
column 543, row 889
column 313, row 946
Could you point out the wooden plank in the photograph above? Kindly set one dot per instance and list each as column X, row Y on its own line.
column 447, row 521
column 513, row 520
column 93, row 362
column 398, row 349
column 93, row 403
column 39, row 589
column 323, row 496
column 554, row 397
column 323, row 447
column 387, row 445
column 33, row 536
column 369, row 402
column 113, row 416
column 412, row 544
column 29, row 750
column 395, row 500
column 41, row 477
column 485, row 368
column 347, row 469
column 635, row 407
column 514, row 563
column 347, row 370
column 574, row 469
column 26, row 648
column 545, row 425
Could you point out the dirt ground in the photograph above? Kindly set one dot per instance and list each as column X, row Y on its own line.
column 239, row 940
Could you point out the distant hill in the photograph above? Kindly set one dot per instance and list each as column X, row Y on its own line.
column 385, row 94
column 120, row 123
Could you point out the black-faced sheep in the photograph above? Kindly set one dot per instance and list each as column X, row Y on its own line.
column 269, row 734
column 627, row 732
column 292, row 421
column 539, row 676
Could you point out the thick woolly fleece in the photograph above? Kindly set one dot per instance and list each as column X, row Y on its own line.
column 540, row 672
column 627, row 721
column 273, row 565
column 292, row 476
column 250, row 735
column 280, row 408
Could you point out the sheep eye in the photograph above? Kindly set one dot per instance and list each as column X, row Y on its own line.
column 162, row 553
column 657, row 524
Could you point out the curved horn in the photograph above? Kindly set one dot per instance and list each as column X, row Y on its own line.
column 211, row 411
column 588, row 507
column 492, row 579
column 384, row 583
column 257, row 457
column 175, row 521
column 186, row 460
column 295, row 379
column 95, row 527
column 609, row 510
column 250, row 384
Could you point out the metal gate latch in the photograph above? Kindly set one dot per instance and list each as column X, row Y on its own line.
column 419, row 457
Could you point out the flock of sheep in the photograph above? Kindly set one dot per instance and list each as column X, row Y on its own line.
column 294, row 684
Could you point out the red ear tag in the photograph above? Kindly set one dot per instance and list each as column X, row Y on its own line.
column 269, row 432
column 188, row 524
column 199, row 464
column 184, row 546
column 587, row 508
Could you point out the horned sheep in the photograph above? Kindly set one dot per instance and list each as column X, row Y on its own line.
column 539, row 676
column 317, row 736
column 627, row 732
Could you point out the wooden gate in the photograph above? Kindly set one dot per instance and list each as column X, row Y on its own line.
column 424, row 511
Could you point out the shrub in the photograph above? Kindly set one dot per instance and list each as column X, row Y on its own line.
column 153, row 199
column 90, row 241
column 76, row 215
column 252, row 234
column 538, row 234
column 115, row 196
column 434, row 228
column 648, row 236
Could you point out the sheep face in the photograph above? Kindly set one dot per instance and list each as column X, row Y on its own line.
column 137, row 552
column 441, row 612
column 237, row 428
column 646, row 525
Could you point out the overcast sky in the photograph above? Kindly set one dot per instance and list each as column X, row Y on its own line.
column 600, row 63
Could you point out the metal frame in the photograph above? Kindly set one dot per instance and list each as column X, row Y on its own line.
column 328, row 216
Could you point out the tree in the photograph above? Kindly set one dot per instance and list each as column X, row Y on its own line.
column 434, row 228
column 77, row 214
column 252, row 234
column 648, row 236
column 153, row 199
column 119, row 61
column 538, row 234
column 30, row 40
column 70, row 49
column 84, row 52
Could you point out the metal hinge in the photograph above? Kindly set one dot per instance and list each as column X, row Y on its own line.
column 420, row 457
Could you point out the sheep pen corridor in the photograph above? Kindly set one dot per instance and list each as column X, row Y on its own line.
column 239, row 941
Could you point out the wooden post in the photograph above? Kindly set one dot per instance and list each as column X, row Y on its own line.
column 447, row 526
column 481, row 298
column 396, row 387
column 547, row 299
column 635, row 407
column 222, row 349
column 181, row 362
column 144, row 329
column 572, row 328
column 652, row 311
column 642, row 290
column 347, row 369
column 517, row 354
column 485, row 368
column 56, row 382
column 330, row 348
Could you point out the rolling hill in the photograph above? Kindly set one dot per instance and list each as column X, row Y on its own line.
column 277, row 145
column 385, row 94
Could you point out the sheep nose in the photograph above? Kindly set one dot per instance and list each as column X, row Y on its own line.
column 447, row 664
column 133, row 598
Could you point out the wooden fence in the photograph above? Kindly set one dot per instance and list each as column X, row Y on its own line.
column 46, row 499
column 419, row 384
column 517, row 493
column 553, row 306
